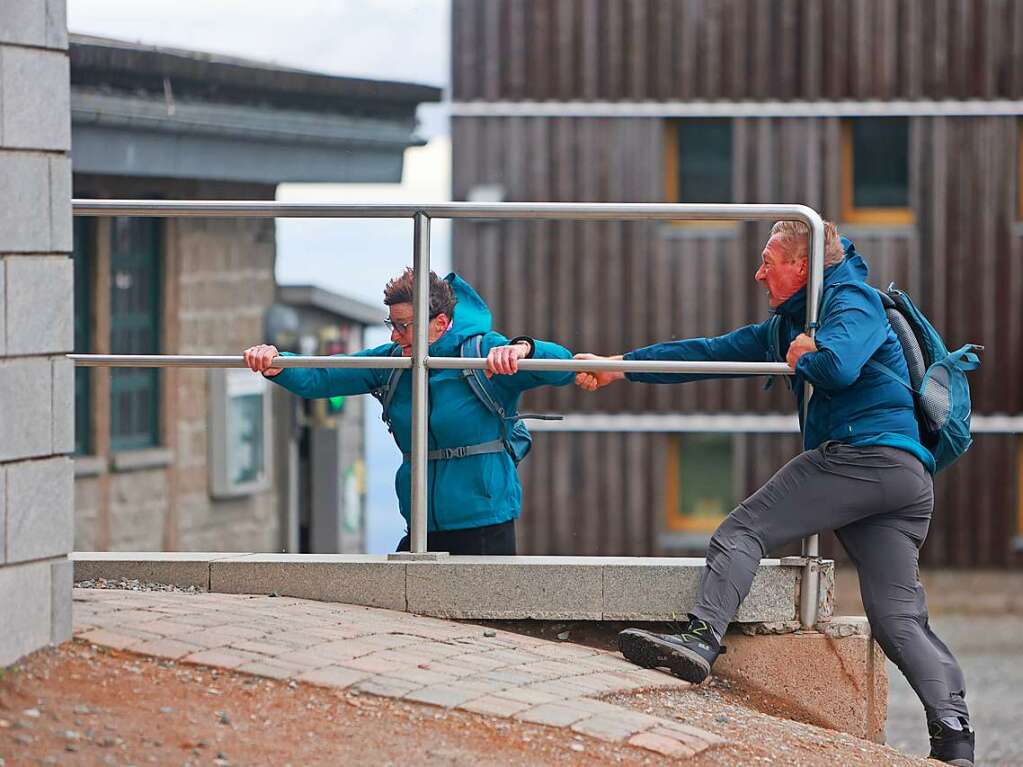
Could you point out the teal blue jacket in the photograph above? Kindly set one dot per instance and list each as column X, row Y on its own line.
column 852, row 402
column 463, row 492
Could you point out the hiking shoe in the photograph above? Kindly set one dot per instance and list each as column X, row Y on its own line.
column 688, row 655
column 951, row 746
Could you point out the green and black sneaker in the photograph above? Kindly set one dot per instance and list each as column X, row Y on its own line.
column 688, row 655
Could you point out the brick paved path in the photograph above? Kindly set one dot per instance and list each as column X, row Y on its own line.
column 392, row 654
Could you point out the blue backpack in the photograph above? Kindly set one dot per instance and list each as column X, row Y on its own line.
column 937, row 377
column 515, row 439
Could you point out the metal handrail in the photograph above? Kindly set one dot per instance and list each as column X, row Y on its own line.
column 420, row 362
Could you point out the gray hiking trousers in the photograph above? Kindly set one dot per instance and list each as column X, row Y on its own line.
column 878, row 500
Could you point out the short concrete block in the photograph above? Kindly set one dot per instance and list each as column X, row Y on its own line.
column 836, row 680
column 61, row 573
column 25, row 596
column 24, row 206
column 37, row 108
column 3, row 514
column 25, row 407
column 365, row 580
column 3, row 304
column 23, row 22
column 543, row 588
column 40, row 317
column 40, row 509
column 665, row 589
column 56, row 24
column 61, row 238
column 176, row 568
column 63, row 406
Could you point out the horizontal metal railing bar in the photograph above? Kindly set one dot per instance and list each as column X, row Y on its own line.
column 199, row 361
column 506, row 210
column 624, row 366
column 437, row 363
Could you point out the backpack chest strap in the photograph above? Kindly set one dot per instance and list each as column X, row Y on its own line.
column 449, row 453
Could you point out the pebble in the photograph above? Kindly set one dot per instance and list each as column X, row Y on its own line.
column 133, row 584
column 166, row 710
column 23, row 739
column 72, row 747
column 50, row 760
column 32, row 713
column 71, row 735
column 223, row 718
column 577, row 747
column 489, row 633
column 82, row 709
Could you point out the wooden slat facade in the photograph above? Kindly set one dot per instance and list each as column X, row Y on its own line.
column 608, row 287
column 663, row 50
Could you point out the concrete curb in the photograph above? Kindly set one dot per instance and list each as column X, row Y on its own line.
column 472, row 588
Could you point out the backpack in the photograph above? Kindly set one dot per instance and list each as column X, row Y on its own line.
column 937, row 377
column 515, row 439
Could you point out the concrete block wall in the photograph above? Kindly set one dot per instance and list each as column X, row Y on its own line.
column 36, row 328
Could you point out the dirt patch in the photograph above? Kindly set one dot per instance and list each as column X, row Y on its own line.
column 83, row 705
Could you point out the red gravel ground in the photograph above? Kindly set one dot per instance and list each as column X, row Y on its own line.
column 83, row 705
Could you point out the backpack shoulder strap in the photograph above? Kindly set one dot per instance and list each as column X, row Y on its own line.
column 882, row 368
column 477, row 380
column 386, row 392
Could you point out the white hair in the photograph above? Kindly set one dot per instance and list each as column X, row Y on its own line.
column 795, row 236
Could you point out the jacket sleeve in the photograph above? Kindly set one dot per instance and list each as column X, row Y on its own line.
column 853, row 329
column 746, row 344
column 316, row 383
column 531, row 379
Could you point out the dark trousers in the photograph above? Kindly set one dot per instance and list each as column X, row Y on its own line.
column 878, row 500
column 498, row 540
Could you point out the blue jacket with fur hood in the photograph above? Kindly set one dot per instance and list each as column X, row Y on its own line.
column 463, row 492
column 852, row 402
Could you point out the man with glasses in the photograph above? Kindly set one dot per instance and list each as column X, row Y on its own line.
column 474, row 443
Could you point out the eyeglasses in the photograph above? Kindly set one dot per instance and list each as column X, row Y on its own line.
column 402, row 327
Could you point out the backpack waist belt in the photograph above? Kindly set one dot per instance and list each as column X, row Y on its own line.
column 447, row 453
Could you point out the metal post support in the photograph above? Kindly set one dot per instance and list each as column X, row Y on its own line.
column 808, row 592
column 420, row 380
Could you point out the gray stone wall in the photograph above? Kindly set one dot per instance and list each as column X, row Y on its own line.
column 36, row 382
column 218, row 283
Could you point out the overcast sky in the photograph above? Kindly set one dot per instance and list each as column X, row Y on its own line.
column 384, row 39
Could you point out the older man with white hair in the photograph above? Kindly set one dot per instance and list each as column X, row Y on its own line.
column 864, row 473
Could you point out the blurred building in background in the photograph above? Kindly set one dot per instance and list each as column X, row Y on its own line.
column 184, row 459
column 900, row 121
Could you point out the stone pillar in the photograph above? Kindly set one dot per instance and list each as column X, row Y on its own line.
column 36, row 328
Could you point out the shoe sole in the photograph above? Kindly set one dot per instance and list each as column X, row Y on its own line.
column 649, row 652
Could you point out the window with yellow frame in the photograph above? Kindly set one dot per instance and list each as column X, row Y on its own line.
column 698, row 163
column 875, row 171
column 700, row 483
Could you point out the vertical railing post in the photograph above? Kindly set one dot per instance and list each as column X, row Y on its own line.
column 420, row 380
column 810, row 587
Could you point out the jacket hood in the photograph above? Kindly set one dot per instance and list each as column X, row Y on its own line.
column 851, row 269
column 472, row 316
